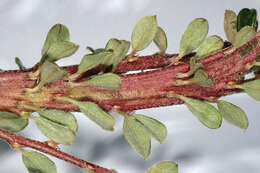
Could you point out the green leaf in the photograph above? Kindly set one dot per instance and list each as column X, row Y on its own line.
column 92, row 60
column 247, row 17
column 163, row 167
column 94, row 51
column 143, row 33
column 137, row 136
column 233, row 114
column 12, row 122
column 105, row 81
column 154, row 127
column 120, row 49
column 58, row 133
column 160, row 39
column 209, row 46
column 19, row 63
column 96, row 114
column 252, row 88
column 36, row 162
column 201, row 78
column 58, row 32
column 206, row 113
column 61, row 117
column 244, row 35
column 60, row 49
column 193, row 36
column 230, row 23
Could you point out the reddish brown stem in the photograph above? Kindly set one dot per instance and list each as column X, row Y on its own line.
column 14, row 139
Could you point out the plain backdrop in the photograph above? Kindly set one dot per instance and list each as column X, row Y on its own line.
column 23, row 27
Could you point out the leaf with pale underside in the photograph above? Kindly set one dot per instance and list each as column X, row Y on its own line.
column 12, row 122
column 143, row 33
column 230, row 25
column 206, row 113
column 233, row 114
column 247, row 17
column 58, row 133
column 137, row 136
column 244, row 35
column 105, row 81
column 36, row 162
column 160, row 40
column 163, row 167
column 154, row 127
column 97, row 115
column 61, row 117
column 193, row 36
column 252, row 88
column 209, row 46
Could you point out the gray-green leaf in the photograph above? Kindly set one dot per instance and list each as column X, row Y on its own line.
column 233, row 114
column 163, row 167
column 36, row 162
column 230, row 23
column 201, row 78
column 61, row 117
column 209, row 46
column 144, row 33
column 137, row 136
column 19, row 64
column 154, row 127
column 193, row 36
column 246, row 34
column 252, row 88
column 58, row 133
column 12, row 122
column 160, row 39
column 206, row 113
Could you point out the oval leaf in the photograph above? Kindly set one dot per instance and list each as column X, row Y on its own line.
column 193, row 36
column 61, row 117
column 36, row 162
column 201, row 78
column 230, row 23
column 160, row 39
column 58, row 133
column 163, row 167
column 137, row 136
column 252, row 88
column 154, row 127
column 206, row 113
column 96, row 114
column 144, row 33
column 12, row 122
column 209, row 46
column 244, row 35
column 233, row 114
column 247, row 17
column 105, row 81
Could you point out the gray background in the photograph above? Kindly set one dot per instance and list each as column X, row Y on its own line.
column 24, row 25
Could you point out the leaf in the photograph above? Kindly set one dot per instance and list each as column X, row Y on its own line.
column 120, row 49
column 58, row 32
column 58, row 133
column 206, row 113
column 143, row 33
column 96, row 114
column 153, row 126
column 19, row 63
column 12, row 122
column 230, row 23
column 92, row 60
column 137, row 136
column 209, row 46
column 61, row 117
column 94, row 51
column 60, row 49
column 233, row 114
column 201, row 78
column 36, row 162
column 163, row 167
column 247, row 17
column 244, row 35
column 160, row 39
column 193, row 36
column 252, row 88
